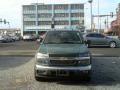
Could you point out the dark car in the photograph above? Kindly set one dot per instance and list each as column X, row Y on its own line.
column 98, row 39
column 62, row 54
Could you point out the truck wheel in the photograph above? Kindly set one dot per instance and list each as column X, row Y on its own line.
column 37, row 78
column 88, row 76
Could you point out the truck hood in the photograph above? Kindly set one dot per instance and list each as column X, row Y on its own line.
column 62, row 48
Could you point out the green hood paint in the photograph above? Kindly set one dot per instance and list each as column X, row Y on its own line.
column 62, row 48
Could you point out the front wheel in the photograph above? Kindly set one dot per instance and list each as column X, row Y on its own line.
column 112, row 44
column 37, row 78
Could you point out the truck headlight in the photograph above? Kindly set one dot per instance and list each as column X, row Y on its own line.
column 86, row 54
column 84, row 62
column 84, row 59
column 41, row 55
column 83, row 56
column 42, row 59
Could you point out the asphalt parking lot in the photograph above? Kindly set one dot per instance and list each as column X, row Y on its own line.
column 17, row 73
column 19, row 45
column 17, row 70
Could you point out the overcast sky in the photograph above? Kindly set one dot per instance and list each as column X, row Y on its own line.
column 11, row 10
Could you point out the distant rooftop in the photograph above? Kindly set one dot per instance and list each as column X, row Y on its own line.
column 37, row 3
column 50, row 4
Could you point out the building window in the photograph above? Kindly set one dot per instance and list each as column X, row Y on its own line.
column 29, row 23
column 29, row 16
column 77, row 6
column 44, row 15
column 44, row 7
column 59, row 7
column 61, row 22
column 29, row 32
column 29, row 8
column 75, row 22
column 77, row 14
column 44, row 23
column 61, row 15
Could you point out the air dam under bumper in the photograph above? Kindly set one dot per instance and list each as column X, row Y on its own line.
column 46, row 71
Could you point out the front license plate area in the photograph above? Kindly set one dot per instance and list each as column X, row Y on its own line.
column 62, row 73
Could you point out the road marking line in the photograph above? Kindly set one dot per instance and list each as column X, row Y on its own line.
column 95, row 54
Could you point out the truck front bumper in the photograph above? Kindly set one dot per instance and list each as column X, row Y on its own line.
column 47, row 71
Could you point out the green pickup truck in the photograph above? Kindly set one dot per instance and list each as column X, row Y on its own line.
column 62, row 53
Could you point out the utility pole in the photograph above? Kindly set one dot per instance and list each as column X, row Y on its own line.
column 36, row 15
column 98, row 18
column 90, row 1
column 105, row 23
column 100, row 25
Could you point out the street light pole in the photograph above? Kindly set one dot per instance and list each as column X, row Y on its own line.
column 98, row 17
column 90, row 1
column 36, row 15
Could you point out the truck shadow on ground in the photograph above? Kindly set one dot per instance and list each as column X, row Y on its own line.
column 7, row 62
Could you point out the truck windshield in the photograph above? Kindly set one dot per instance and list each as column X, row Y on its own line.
column 63, row 37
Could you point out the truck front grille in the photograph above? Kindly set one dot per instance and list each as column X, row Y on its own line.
column 63, row 62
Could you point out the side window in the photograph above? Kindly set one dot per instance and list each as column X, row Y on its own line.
column 95, row 35
column 90, row 35
column 99, row 36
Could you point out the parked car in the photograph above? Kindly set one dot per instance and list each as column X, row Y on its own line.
column 27, row 37
column 11, row 38
column 15, row 38
column 30, row 37
column 62, row 54
column 2, row 39
column 98, row 39
column 6, row 39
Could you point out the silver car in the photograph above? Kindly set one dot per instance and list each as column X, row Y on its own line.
column 98, row 39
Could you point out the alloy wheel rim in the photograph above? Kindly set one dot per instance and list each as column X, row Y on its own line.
column 112, row 45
